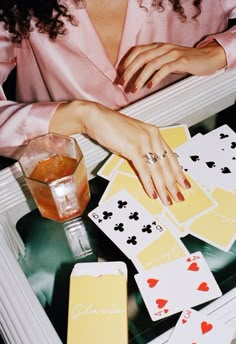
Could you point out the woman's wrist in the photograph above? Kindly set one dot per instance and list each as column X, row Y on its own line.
column 216, row 52
column 72, row 117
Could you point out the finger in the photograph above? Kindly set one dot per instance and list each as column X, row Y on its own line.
column 136, row 51
column 146, row 171
column 157, row 172
column 178, row 66
column 136, row 64
column 176, row 168
column 142, row 169
column 171, row 170
column 148, row 72
column 159, row 180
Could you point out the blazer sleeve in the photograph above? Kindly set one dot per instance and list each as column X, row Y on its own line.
column 19, row 122
column 226, row 39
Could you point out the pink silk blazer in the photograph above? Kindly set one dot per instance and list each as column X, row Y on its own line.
column 76, row 66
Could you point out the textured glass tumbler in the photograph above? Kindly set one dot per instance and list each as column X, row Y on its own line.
column 54, row 170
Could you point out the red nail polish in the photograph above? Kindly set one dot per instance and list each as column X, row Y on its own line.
column 150, row 84
column 180, row 196
column 134, row 89
column 122, row 80
column 154, row 195
column 169, row 200
column 187, row 184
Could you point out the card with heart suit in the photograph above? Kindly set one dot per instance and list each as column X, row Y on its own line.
column 172, row 287
column 174, row 135
column 218, row 226
column 195, row 327
column 126, row 222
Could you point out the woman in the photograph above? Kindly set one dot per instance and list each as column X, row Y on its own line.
column 79, row 62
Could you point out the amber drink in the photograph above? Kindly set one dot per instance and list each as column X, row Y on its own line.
column 54, row 170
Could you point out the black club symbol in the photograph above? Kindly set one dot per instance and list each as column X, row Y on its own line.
column 132, row 240
column 107, row 215
column 147, row 229
column 119, row 227
column 134, row 216
column 122, row 204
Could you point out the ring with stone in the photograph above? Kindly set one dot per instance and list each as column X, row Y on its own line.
column 151, row 158
column 162, row 156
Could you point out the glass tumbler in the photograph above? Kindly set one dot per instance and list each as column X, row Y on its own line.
column 54, row 170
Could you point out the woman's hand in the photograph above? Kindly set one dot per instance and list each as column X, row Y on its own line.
column 130, row 138
column 152, row 63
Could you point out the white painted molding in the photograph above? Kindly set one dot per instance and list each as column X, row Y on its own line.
column 23, row 320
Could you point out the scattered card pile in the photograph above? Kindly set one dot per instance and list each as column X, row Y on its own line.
column 169, row 278
column 209, row 162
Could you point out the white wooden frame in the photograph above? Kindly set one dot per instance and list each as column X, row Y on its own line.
column 189, row 101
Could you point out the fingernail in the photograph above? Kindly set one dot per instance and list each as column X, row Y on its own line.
column 169, row 200
column 122, row 80
column 154, row 195
column 187, row 184
column 180, row 196
column 134, row 89
column 150, row 84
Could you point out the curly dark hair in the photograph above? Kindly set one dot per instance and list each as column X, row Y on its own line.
column 17, row 14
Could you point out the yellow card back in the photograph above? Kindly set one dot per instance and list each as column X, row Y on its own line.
column 98, row 305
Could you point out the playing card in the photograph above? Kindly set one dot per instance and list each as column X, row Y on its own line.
column 126, row 222
column 177, row 285
column 175, row 135
column 133, row 186
column 197, row 202
column 164, row 249
column 110, row 166
column 224, row 138
column 212, row 166
column 218, row 226
column 194, row 327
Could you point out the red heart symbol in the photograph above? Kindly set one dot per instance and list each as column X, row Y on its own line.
column 203, row 287
column 193, row 267
column 161, row 303
column 206, row 327
column 184, row 321
column 152, row 282
column 189, row 260
column 166, row 310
